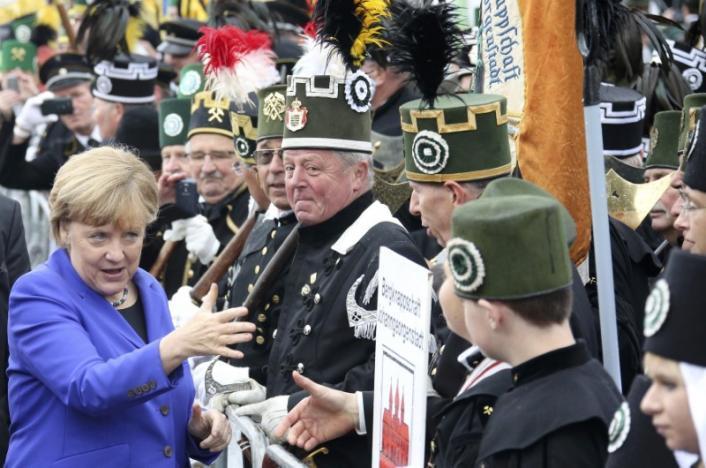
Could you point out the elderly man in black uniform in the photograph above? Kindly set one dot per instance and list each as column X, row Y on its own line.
column 272, row 228
column 327, row 323
column 224, row 197
column 65, row 75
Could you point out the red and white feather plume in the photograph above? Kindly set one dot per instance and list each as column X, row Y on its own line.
column 237, row 63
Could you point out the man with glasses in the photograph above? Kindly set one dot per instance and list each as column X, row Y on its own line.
column 692, row 204
column 263, row 157
column 224, row 197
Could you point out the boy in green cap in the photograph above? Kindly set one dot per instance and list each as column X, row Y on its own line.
column 510, row 263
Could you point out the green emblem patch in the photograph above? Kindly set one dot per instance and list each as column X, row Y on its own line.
column 619, row 428
column 656, row 307
column 466, row 265
column 190, row 83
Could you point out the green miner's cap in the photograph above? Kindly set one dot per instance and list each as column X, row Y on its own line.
column 243, row 121
column 464, row 137
column 507, row 186
column 174, row 116
column 689, row 116
column 191, row 80
column 508, row 247
column 664, row 139
column 328, row 112
column 209, row 115
column 270, row 116
column 22, row 27
column 16, row 54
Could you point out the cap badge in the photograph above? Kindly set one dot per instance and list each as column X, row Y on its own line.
column 619, row 428
column 190, row 83
column 466, row 265
column 104, row 85
column 216, row 113
column 359, row 91
column 18, row 54
column 430, row 152
column 656, row 307
column 173, row 125
column 23, row 33
column 273, row 106
column 296, row 116
column 693, row 77
column 242, row 146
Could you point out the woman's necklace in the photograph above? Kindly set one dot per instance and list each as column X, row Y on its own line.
column 120, row 301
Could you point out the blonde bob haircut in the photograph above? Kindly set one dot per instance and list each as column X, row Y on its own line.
column 104, row 185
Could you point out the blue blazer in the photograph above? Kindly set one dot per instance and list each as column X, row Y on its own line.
column 85, row 389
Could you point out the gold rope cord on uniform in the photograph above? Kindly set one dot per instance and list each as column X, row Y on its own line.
column 443, row 127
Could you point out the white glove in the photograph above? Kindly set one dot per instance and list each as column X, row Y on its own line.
column 200, row 239
column 181, row 307
column 257, row 394
column 269, row 413
column 177, row 232
column 31, row 115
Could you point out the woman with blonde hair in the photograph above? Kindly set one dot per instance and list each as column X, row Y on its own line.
column 97, row 372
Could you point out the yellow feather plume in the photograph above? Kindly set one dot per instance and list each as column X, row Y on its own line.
column 133, row 32
column 49, row 15
column 370, row 13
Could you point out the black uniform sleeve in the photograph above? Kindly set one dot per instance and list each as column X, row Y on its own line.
column 18, row 173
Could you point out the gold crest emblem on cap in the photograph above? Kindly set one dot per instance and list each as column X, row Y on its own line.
column 296, row 116
column 274, row 106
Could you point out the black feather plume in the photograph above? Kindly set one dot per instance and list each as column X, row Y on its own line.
column 424, row 41
column 243, row 14
column 104, row 26
column 336, row 24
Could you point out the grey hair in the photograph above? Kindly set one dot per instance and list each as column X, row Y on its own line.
column 351, row 158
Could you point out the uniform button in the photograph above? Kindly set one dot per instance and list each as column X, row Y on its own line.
column 273, row 234
column 261, row 317
column 274, row 334
column 257, row 269
column 167, row 451
column 250, row 286
column 300, row 368
column 317, row 298
column 264, row 250
column 275, row 299
column 433, row 372
column 260, row 340
column 267, row 307
column 164, row 409
column 307, row 329
column 305, row 290
column 145, row 388
column 190, row 274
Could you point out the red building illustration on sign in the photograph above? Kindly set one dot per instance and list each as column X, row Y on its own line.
column 395, row 432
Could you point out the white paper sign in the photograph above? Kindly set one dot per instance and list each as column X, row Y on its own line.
column 401, row 360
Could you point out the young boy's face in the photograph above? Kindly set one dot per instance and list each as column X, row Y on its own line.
column 667, row 402
column 478, row 327
column 452, row 306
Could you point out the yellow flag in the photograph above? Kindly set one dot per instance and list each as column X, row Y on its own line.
column 530, row 56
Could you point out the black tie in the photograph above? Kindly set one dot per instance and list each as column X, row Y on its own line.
column 92, row 143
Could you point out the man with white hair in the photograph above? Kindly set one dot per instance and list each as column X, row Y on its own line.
column 326, row 328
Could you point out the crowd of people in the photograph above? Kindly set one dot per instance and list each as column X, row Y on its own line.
column 220, row 178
